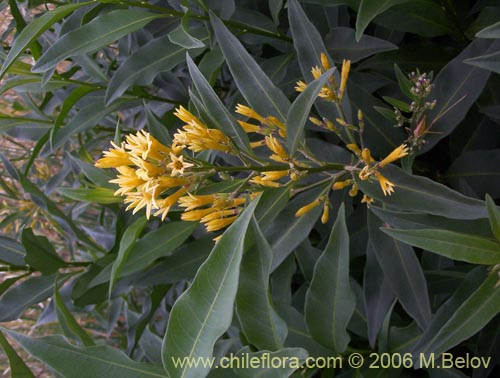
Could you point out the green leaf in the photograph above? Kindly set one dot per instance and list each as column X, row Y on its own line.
column 219, row 115
column 90, row 362
column 298, row 114
column 11, row 252
column 369, row 9
column 259, row 321
column 457, row 87
column 18, row 368
column 342, row 44
column 149, row 248
column 99, row 177
column 470, row 316
column 275, row 7
column 99, row 32
column 27, row 293
column 68, row 323
column 494, row 217
column 490, row 62
column 403, row 272
column 330, row 300
column 257, row 89
column 35, row 29
column 203, row 313
column 492, row 31
column 40, row 254
column 456, row 246
column 181, row 37
column 158, row 55
column 97, row 195
column 420, row 194
column 404, row 82
column 292, row 358
column 127, row 242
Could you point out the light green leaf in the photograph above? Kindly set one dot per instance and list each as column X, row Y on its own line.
column 97, row 195
column 298, row 113
column 492, row 31
column 151, row 247
column 99, row 32
column 292, row 358
column 18, row 368
column 68, row 323
column 203, row 313
column 40, row 254
column 330, row 300
column 494, row 217
column 472, row 314
column 490, row 62
column 35, row 29
column 127, row 242
column 219, row 115
column 91, row 362
column 259, row 321
column 403, row 271
column 369, row 9
column 456, row 246
column 259, row 91
column 420, row 194
column 158, row 55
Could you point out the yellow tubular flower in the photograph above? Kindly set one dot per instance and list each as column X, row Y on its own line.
column 199, row 138
column 138, row 200
column 326, row 213
column 275, row 146
column 165, row 204
column 196, row 215
column 114, row 157
column 249, row 128
column 261, row 181
column 274, row 175
column 249, row 112
column 341, row 184
column 220, row 214
column 354, row 148
column 127, row 180
column 386, row 186
column 185, row 115
column 367, row 199
column 366, row 156
column 222, row 203
column 219, row 224
column 192, row 201
column 144, row 145
column 354, row 190
column 177, row 165
column 307, row 208
column 301, row 86
column 346, row 66
column 316, row 72
column 316, row 121
column 273, row 121
column 325, row 62
column 259, row 143
column 398, row 153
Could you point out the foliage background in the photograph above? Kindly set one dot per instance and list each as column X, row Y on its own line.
column 421, row 287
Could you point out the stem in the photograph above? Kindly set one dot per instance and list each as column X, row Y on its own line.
column 342, row 116
column 265, row 168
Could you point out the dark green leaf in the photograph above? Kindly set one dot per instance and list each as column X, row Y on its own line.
column 403, row 272
column 368, row 10
column 330, row 300
column 298, row 113
column 204, row 311
column 456, row 246
column 259, row 321
column 494, row 217
column 40, row 254
column 341, row 44
column 34, row 29
column 492, row 31
column 292, row 358
column 259, row 91
column 90, row 362
column 11, row 252
column 181, row 37
column 99, row 32
column 18, row 368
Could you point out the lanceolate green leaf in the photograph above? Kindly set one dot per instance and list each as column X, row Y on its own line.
column 456, row 246
column 368, row 10
column 259, row 321
column 97, row 195
column 99, row 32
column 127, row 242
column 140, row 68
column 18, row 368
column 492, row 31
column 203, row 313
column 330, row 300
column 420, row 194
column 292, row 359
column 40, row 254
column 403, row 271
column 11, row 251
column 221, row 116
column 490, row 62
column 472, row 314
column 494, row 217
column 35, row 28
column 96, row 361
column 259, row 91
column 298, row 113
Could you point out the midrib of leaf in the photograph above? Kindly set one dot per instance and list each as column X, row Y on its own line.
column 212, row 305
column 13, row 250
